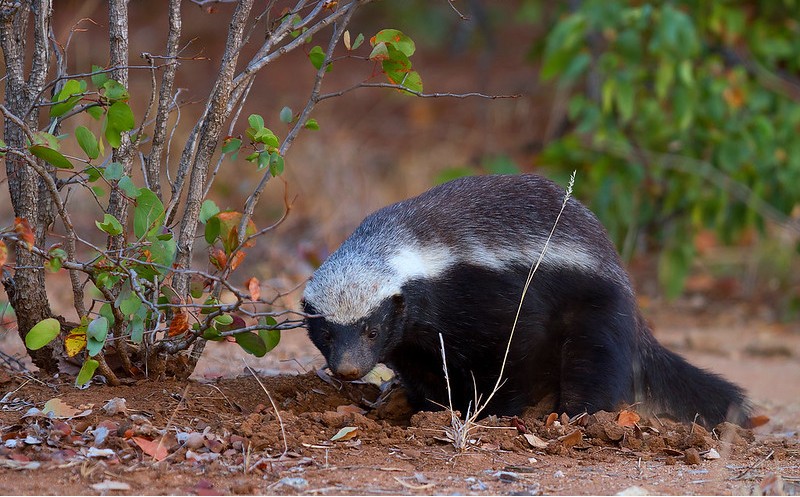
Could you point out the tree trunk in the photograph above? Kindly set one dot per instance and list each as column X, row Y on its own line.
column 29, row 197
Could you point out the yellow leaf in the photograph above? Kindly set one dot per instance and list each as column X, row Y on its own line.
column 75, row 341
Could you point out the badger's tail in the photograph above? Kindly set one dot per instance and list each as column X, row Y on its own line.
column 667, row 384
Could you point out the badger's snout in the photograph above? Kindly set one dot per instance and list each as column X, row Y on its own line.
column 348, row 371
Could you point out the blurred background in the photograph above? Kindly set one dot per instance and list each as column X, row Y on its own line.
column 681, row 119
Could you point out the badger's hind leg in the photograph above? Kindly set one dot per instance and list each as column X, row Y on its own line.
column 598, row 336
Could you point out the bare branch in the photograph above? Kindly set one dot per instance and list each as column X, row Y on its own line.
column 414, row 92
column 155, row 157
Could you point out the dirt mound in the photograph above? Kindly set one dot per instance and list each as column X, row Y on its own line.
column 327, row 437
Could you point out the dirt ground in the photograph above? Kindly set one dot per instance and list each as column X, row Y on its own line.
column 220, row 433
column 236, row 435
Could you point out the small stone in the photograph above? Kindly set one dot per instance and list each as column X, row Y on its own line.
column 711, row 454
column 691, row 456
column 558, row 474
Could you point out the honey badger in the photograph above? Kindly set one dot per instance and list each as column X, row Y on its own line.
column 454, row 260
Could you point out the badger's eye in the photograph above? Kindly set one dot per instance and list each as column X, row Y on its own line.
column 326, row 335
column 372, row 333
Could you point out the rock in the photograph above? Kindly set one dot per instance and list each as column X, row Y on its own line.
column 634, row 490
column 691, row 456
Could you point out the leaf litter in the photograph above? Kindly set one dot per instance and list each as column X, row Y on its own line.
column 338, row 439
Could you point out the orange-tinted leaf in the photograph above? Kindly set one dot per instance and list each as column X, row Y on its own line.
column 627, row 418
column 733, row 96
column 3, row 253
column 229, row 229
column 237, row 259
column 760, row 420
column 153, row 448
column 551, row 419
column 23, row 228
column 218, row 258
column 75, row 341
column 571, row 439
column 179, row 324
column 254, row 287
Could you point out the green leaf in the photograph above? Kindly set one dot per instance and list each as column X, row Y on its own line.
column 42, row 333
column 251, row 343
column 136, row 325
column 379, row 52
column 312, row 124
column 163, row 252
column 130, row 303
column 96, row 111
column 231, row 145
column 224, row 319
column 286, row 115
column 128, row 188
column 107, row 310
column 212, row 333
column 317, row 56
column 51, row 156
column 99, row 78
column 119, row 119
column 86, row 372
column 207, row 210
column 110, row 225
column 255, row 121
column 148, row 215
column 213, row 227
column 87, row 142
column 69, row 95
column 358, row 41
column 115, row 91
column 397, row 39
column 263, row 160
column 271, row 338
column 275, row 164
column 96, row 334
column 99, row 191
column 113, row 171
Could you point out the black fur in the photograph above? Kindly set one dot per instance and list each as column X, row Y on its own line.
column 580, row 338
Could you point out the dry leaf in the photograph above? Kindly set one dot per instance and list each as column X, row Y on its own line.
column 153, row 448
column 107, row 485
column 60, row 409
column 75, row 341
column 237, row 259
column 572, row 439
column 551, row 419
column 379, row 375
column 3, row 252
column 114, row 406
column 350, row 408
column 179, row 323
column 627, row 418
column 346, row 433
column 760, row 420
column 23, row 228
column 534, row 441
column 254, row 287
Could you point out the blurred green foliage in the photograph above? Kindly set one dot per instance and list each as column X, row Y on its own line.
column 684, row 116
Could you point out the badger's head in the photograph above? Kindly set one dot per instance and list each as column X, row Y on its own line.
column 357, row 297
column 352, row 349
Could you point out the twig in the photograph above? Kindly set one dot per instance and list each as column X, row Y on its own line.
column 754, row 466
column 277, row 412
column 414, row 92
